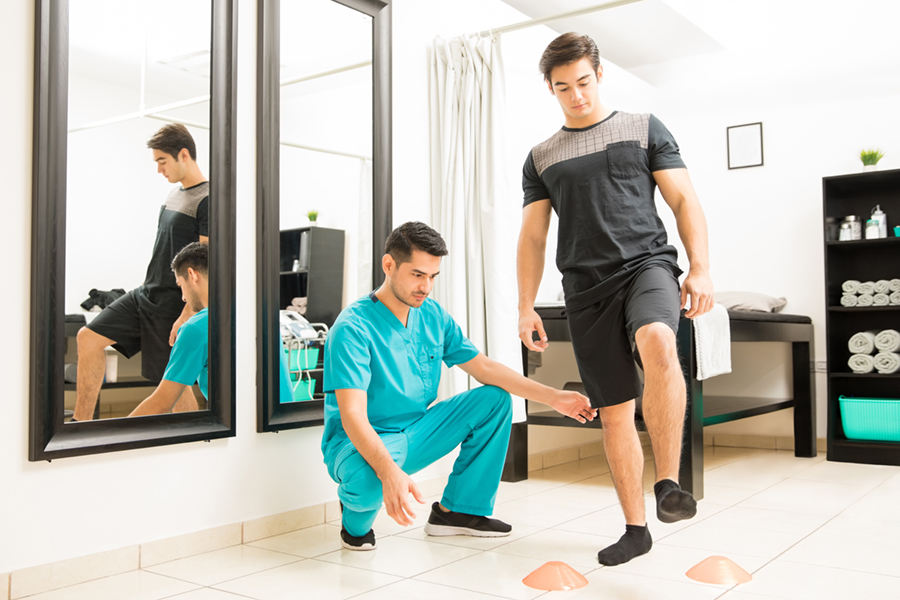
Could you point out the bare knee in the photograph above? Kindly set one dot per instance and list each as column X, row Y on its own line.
column 619, row 417
column 91, row 340
column 656, row 345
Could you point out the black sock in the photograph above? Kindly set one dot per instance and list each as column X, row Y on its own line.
column 635, row 542
column 673, row 503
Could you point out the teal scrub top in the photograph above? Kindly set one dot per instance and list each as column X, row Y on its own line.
column 398, row 367
column 189, row 359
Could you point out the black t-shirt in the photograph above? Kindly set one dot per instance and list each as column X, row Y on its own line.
column 599, row 180
column 182, row 219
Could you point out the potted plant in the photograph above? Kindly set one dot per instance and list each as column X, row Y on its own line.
column 870, row 159
column 312, row 216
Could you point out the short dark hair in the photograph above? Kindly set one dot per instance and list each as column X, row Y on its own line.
column 414, row 235
column 193, row 256
column 566, row 49
column 171, row 139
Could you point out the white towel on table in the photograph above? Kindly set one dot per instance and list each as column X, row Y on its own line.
column 862, row 342
column 881, row 300
column 895, row 298
column 887, row 362
column 894, row 285
column 882, row 286
column 888, row 341
column 851, row 286
column 865, row 300
column 867, row 287
column 861, row 363
column 849, row 300
column 712, row 336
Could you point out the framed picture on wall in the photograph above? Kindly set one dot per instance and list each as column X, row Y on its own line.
column 745, row 146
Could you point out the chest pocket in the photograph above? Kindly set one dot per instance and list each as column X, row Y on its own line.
column 430, row 364
column 626, row 159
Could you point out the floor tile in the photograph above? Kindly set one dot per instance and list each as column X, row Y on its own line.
column 806, row 496
column 513, row 491
column 736, row 594
column 892, row 482
column 489, row 573
column 758, row 472
column 410, row 589
column 308, row 543
column 579, row 495
column 305, row 580
column 575, row 549
column 793, row 523
column 221, row 565
column 467, row 541
column 717, row 456
column 720, row 539
column 609, row 583
column 725, row 495
column 670, row 562
column 884, row 502
column 864, row 476
column 134, row 585
column 385, row 525
column 207, row 594
column 533, row 513
column 795, row 581
column 864, row 544
column 400, row 556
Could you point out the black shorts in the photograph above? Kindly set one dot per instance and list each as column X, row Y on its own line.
column 603, row 334
column 134, row 329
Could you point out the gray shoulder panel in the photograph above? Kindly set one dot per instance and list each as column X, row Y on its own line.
column 187, row 201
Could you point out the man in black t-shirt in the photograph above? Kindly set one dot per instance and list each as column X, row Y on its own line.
column 620, row 275
column 147, row 318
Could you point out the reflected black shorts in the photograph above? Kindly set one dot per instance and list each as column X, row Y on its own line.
column 603, row 334
column 137, row 330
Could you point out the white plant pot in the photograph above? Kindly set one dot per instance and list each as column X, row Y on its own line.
column 868, row 168
column 313, row 223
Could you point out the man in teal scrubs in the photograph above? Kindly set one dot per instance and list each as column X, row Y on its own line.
column 189, row 359
column 382, row 367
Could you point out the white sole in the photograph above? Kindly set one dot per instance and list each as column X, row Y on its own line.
column 447, row 530
column 363, row 548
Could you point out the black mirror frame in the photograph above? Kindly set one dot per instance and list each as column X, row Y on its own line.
column 49, row 438
column 271, row 415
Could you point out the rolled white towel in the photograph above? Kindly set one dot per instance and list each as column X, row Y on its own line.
column 887, row 362
column 862, row 363
column 881, row 300
column 894, row 285
column 895, row 298
column 849, row 300
column 888, row 341
column 862, row 342
column 867, row 287
column 865, row 300
column 850, row 286
column 882, row 286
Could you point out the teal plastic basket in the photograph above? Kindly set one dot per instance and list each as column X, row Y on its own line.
column 302, row 359
column 871, row 419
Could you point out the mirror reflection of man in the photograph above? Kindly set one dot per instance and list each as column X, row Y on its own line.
column 189, row 360
column 382, row 367
column 147, row 318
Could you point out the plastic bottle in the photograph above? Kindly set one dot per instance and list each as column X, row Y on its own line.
column 881, row 218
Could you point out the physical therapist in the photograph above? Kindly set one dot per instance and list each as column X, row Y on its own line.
column 382, row 368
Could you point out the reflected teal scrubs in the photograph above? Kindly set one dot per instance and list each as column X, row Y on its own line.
column 399, row 368
column 189, row 359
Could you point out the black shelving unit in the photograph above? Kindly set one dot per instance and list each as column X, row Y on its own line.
column 320, row 277
column 863, row 260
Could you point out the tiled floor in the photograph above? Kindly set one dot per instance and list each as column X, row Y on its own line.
column 805, row 529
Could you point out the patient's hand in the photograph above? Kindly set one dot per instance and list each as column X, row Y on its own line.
column 698, row 285
column 396, row 488
column 575, row 405
column 173, row 335
column 529, row 322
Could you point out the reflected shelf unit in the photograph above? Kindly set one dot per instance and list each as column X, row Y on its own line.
column 863, row 260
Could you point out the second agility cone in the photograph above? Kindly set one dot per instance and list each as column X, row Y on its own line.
column 555, row 576
column 718, row 570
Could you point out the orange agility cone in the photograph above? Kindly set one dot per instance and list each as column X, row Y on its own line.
column 719, row 570
column 555, row 576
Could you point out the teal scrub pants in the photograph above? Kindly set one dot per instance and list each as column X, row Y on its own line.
column 479, row 419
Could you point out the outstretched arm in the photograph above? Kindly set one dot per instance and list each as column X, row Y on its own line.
column 491, row 372
column 395, row 484
column 530, row 269
column 161, row 400
column 678, row 192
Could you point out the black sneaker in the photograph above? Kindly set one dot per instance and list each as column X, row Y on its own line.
column 366, row 542
column 442, row 523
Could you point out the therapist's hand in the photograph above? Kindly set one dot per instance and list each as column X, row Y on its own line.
column 396, row 486
column 575, row 405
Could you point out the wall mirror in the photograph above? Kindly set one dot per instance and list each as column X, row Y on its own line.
column 109, row 213
column 324, row 184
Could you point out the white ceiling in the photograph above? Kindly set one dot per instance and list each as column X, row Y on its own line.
column 705, row 45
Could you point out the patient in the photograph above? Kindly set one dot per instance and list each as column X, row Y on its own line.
column 188, row 361
column 382, row 367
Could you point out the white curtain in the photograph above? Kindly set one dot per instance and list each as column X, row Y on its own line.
column 472, row 207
